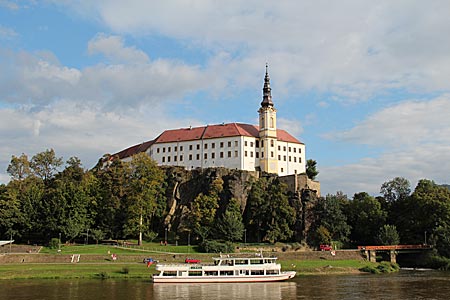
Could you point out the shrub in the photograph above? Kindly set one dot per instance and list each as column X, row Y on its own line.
column 216, row 247
column 54, row 243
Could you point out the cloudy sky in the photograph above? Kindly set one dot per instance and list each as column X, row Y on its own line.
column 364, row 84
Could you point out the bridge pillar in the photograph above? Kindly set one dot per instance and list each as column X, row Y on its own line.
column 393, row 256
column 372, row 256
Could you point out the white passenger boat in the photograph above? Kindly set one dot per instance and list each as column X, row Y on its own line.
column 224, row 269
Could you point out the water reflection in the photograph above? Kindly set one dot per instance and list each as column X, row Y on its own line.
column 403, row 285
column 217, row 291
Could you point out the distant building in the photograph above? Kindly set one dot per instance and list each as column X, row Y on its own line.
column 232, row 145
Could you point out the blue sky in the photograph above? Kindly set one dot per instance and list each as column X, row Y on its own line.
column 365, row 84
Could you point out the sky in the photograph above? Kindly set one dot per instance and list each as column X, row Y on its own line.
column 364, row 84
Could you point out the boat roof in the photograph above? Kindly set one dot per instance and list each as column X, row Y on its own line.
column 240, row 257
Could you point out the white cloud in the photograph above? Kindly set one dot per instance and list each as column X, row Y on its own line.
column 114, row 49
column 404, row 125
column 72, row 130
column 414, row 137
column 294, row 127
column 354, row 49
column 38, row 79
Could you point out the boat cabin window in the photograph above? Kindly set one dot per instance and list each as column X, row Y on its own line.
column 195, row 273
column 272, row 272
column 169, row 273
column 241, row 262
column 257, row 272
column 256, row 262
column 211, row 273
column 226, row 273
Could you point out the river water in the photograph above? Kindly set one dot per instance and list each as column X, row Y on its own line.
column 402, row 285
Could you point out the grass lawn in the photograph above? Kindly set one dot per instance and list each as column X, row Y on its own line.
column 60, row 271
column 129, row 249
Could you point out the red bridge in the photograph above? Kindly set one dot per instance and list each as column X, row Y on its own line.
column 370, row 251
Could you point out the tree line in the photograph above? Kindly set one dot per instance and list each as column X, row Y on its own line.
column 47, row 198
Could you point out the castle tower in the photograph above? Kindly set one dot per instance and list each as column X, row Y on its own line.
column 268, row 130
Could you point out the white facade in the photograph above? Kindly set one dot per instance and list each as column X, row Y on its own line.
column 233, row 145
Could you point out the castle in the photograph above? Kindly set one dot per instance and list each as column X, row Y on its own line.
column 263, row 148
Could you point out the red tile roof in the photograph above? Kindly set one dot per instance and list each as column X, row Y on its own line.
column 134, row 149
column 205, row 132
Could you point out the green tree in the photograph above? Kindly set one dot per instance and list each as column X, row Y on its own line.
column 365, row 216
column 45, row 164
column 19, row 167
column 311, row 169
column 10, row 214
column 268, row 212
column 426, row 212
column 146, row 184
column 230, row 224
column 388, row 235
column 328, row 213
column 396, row 189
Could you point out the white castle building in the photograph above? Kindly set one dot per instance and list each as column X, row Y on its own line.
column 234, row 145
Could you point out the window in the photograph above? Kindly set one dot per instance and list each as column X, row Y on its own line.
column 175, row 158
column 257, row 144
column 190, row 147
column 289, row 149
column 229, row 144
column 236, row 154
column 213, row 155
column 251, row 144
column 190, row 156
column 181, row 148
column 284, row 158
column 221, row 144
column 181, row 157
column 289, row 158
column 163, row 159
column 279, row 157
column 245, row 153
column 221, row 154
column 299, row 150
column 164, row 149
column 236, row 143
column 271, row 122
column 295, row 150
column 245, row 143
column 284, row 148
column 206, row 145
column 205, row 156
column 229, row 153
column 198, row 156
column 251, row 153
column 262, row 154
column 175, row 148
column 157, row 150
column 282, row 170
column 299, row 159
column 271, row 154
column 295, row 158
column 262, row 144
column 213, row 145
column 198, row 146
column 257, row 154
column 168, row 158
column 279, row 148
column 168, row 149
column 271, row 143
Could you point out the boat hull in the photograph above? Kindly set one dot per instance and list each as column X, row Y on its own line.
column 218, row 279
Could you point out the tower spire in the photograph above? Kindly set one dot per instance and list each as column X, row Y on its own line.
column 267, row 94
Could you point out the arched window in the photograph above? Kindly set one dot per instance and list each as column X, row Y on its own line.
column 271, row 122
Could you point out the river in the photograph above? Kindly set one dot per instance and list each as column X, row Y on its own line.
column 402, row 285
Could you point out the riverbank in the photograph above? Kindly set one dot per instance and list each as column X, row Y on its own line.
column 131, row 266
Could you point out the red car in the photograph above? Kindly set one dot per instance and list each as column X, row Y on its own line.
column 192, row 261
column 325, row 248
